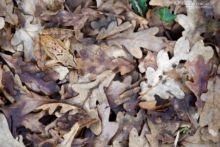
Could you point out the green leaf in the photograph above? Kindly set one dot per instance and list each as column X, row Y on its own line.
column 135, row 7
column 166, row 15
column 139, row 6
column 185, row 130
column 143, row 5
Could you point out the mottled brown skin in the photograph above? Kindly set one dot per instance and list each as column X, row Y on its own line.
column 56, row 50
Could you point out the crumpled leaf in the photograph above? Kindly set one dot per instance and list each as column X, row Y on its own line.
column 210, row 112
column 25, row 36
column 133, row 41
column 6, row 137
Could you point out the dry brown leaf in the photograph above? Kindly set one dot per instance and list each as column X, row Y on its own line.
column 138, row 140
column 126, row 123
column 68, row 138
column 109, row 128
column 148, row 61
column 200, row 71
column 34, row 78
column 210, row 112
column 51, row 107
column 113, row 28
column 6, row 10
column 133, row 41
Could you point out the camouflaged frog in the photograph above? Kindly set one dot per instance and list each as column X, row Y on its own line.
column 56, row 50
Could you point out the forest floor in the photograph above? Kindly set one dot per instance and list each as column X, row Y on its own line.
column 117, row 73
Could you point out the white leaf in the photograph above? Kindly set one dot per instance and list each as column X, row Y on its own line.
column 62, row 71
column 2, row 23
column 25, row 36
column 6, row 138
column 28, row 6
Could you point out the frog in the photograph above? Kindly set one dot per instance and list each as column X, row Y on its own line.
column 56, row 51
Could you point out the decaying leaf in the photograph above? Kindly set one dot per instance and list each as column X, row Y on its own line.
column 109, row 73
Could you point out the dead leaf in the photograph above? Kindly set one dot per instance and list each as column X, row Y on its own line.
column 148, row 61
column 200, row 73
column 209, row 114
column 6, row 137
column 191, row 22
column 162, row 3
column 6, row 10
column 133, row 41
column 2, row 23
column 109, row 128
column 136, row 140
column 25, row 36
column 159, row 83
column 113, row 28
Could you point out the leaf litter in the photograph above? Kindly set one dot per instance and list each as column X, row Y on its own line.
column 109, row 73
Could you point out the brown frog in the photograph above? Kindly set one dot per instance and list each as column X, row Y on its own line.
column 56, row 50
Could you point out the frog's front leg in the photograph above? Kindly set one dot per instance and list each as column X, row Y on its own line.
column 51, row 63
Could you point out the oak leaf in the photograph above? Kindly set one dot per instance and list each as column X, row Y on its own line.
column 210, row 112
column 134, row 41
